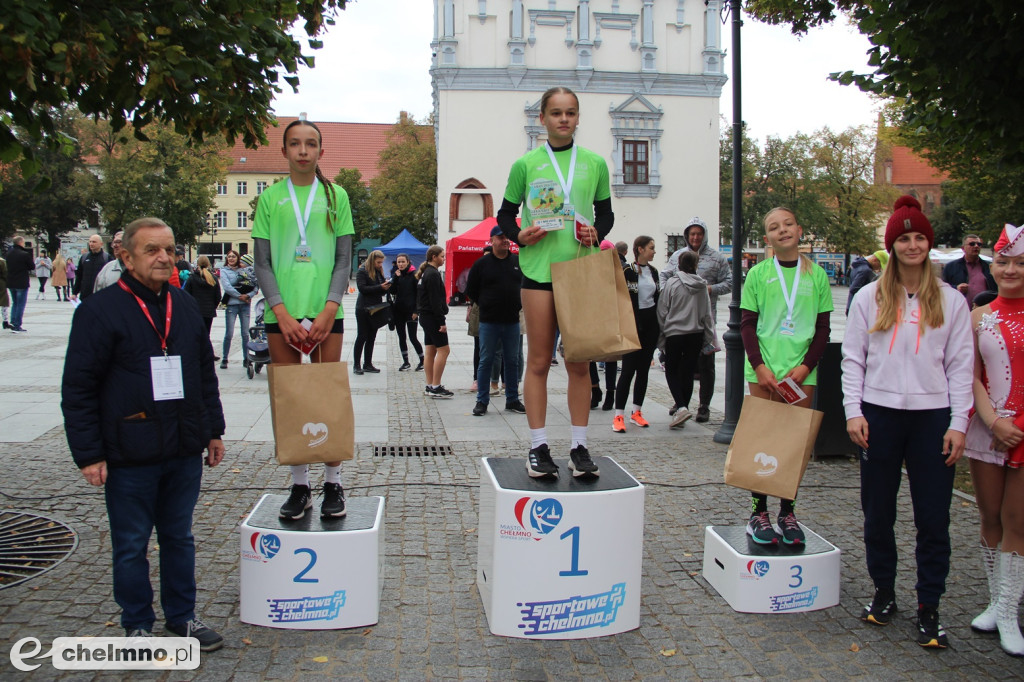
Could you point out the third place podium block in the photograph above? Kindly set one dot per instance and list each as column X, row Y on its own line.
column 559, row 558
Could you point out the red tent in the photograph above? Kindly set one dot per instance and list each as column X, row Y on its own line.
column 462, row 251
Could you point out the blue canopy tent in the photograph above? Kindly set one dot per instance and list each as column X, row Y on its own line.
column 403, row 243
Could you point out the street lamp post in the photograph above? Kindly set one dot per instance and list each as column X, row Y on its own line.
column 733, row 340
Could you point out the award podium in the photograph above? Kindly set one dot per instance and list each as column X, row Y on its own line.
column 313, row 573
column 757, row 578
column 559, row 558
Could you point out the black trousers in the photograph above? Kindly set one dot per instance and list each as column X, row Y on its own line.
column 638, row 363
column 408, row 326
column 366, row 335
column 682, row 355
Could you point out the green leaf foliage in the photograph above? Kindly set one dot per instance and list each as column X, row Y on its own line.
column 363, row 217
column 404, row 193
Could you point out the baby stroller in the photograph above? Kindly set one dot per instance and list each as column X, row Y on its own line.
column 259, row 350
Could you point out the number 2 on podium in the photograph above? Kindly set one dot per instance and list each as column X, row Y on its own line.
column 574, row 561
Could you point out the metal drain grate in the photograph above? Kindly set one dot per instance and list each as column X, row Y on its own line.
column 411, row 450
column 31, row 545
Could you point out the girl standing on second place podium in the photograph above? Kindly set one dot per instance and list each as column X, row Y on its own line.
column 786, row 304
column 562, row 185
column 303, row 244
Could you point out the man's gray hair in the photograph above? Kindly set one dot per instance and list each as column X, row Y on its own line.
column 970, row 236
column 129, row 232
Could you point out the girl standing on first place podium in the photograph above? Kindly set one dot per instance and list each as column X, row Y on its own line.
column 561, row 184
column 303, row 244
column 786, row 304
column 908, row 366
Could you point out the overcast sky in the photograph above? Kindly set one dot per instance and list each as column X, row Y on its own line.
column 375, row 63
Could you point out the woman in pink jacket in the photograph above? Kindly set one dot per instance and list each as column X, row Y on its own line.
column 908, row 361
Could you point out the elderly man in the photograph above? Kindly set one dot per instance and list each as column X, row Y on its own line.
column 89, row 266
column 713, row 267
column 141, row 403
column 20, row 265
column 111, row 272
column 969, row 274
column 494, row 283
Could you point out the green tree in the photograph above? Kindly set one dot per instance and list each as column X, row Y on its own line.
column 404, row 193
column 164, row 176
column 56, row 208
column 209, row 67
column 948, row 220
column 363, row 218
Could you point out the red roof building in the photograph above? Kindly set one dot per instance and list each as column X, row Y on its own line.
column 912, row 175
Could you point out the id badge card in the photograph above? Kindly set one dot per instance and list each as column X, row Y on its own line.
column 303, row 254
column 787, row 328
column 166, row 374
column 568, row 209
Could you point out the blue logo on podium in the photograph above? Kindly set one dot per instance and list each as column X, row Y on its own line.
column 267, row 544
column 575, row 613
column 543, row 516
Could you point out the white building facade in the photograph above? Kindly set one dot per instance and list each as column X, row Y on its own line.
column 648, row 74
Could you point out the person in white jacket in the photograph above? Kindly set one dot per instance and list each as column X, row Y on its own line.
column 908, row 362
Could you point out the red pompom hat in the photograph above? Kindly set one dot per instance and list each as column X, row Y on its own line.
column 907, row 217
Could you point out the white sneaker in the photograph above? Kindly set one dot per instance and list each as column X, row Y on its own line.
column 679, row 418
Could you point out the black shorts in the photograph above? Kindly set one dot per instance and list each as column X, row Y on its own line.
column 535, row 285
column 337, row 328
column 432, row 334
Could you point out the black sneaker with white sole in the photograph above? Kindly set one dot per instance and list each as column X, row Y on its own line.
column 515, row 406
column 480, row 409
column 299, row 500
column 441, row 392
column 581, row 464
column 209, row 639
column 540, row 462
column 333, row 505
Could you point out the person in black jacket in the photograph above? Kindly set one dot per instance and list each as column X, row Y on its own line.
column 644, row 287
column 89, row 266
column 970, row 275
column 372, row 287
column 141, row 403
column 431, row 309
column 205, row 288
column 19, row 266
column 403, row 280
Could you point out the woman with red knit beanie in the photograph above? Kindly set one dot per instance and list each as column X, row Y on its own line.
column 907, row 366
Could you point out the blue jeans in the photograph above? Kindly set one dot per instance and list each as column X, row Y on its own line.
column 241, row 311
column 140, row 498
column 493, row 334
column 18, row 299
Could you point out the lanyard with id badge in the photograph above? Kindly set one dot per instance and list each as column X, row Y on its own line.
column 165, row 370
column 302, row 252
column 557, row 221
column 789, row 296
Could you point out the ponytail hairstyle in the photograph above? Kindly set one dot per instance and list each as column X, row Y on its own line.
column 688, row 262
column 558, row 90
column 805, row 263
column 203, row 263
column 639, row 243
column 329, row 191
column 432, row 253
column 891, row 297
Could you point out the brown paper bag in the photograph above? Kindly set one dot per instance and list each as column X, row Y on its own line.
column 311, row 411
column 771, row 447
column 592, row 304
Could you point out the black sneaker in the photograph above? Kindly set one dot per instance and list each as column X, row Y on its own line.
column 419, row 367
column 881, row 608
column 371, row 369
column 595, row 397
column 480, row 409
column 442, row 392
column 356, row 369
column 298, row 502
column 405, row 367
column 137, row 632
column 930, row 633
column 540, row 463
column 333, row 505
column 18, row 330
column 515, row 406
column 789, row 529
column 580, row 463
column 761, row 531
column 703, row 414
column 428, row 391
column 209, row 639
column 224, row 363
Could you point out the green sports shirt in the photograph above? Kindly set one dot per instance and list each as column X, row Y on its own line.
column 303, row 285
column 762, row 294
column 534, row 184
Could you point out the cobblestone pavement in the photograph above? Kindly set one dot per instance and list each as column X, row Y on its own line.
column 432, row 624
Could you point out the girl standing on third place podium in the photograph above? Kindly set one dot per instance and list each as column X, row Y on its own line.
column 303, row 244
column 562, row 185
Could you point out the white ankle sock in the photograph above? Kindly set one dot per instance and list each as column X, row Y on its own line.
column 300, row 475
column 332, row 474
column 620, row 413
column 636, row 408
column 579, row 436
column 538, row 437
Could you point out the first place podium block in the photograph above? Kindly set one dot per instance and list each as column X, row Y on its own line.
column 771, row 579
column 559, row 558
column 313, row 573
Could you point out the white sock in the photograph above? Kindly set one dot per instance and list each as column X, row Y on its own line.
column 538, row 437
column 620, row 413
column 332, row 474
column 300, row 475
column 636, row 408
column 579, row 436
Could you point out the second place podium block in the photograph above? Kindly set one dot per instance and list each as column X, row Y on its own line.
column 559, row 558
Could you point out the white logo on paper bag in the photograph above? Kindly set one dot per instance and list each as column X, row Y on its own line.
column 318, row 432
column 768, row 464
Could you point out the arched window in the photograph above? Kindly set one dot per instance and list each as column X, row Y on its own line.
column 470, row 200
